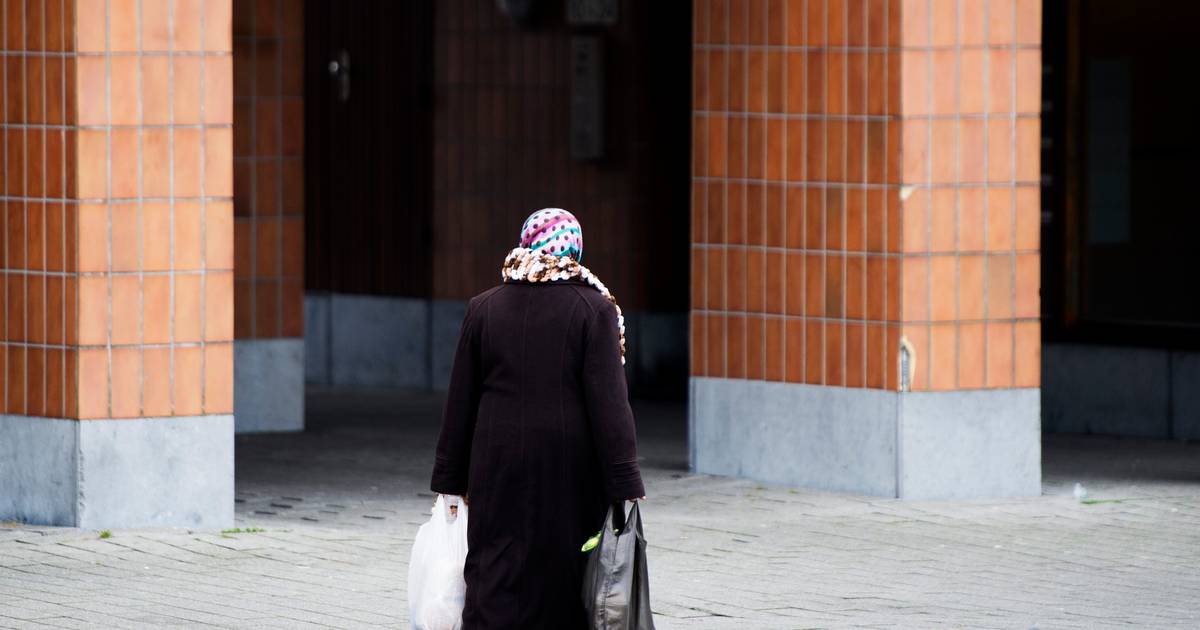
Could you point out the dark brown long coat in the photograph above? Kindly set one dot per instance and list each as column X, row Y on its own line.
column 539, row 432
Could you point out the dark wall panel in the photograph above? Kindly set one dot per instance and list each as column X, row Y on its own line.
column 369, row 144
column 502, row 145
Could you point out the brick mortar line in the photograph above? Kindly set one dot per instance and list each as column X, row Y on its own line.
column 783, row 334
column 725, row 218
column 279, row 186
column 929, row 98
column 141, row 184
column 253, row 210
column 4, row 227
column 848, row 49
column 866, row 95
column 888, row 365
column 24, row 209
column 95, row 54
column 104, row 273
column 705, row 129
column 95, row 346
column 824, row 206
column 845, row 211
column 766, row 91
column 171, row 203
column 204, row 228
column 108, row 191
column 1013, row 148
column 745, row 193
column 119, row 126
column 987, row 94
column 930, row 322
column 114, row 200
column 66, row 365
column 798, row 183
column 957, row 199
column 876, row 118
column 45, row 321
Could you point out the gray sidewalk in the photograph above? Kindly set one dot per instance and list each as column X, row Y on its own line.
column 338, row 507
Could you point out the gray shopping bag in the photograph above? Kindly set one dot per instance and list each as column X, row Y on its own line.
column 616, row 584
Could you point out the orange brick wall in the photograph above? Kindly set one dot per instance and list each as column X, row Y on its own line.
column 268, row 51
column 863, row 171
column 37, row 351
column 971, row 98
column 118, row 260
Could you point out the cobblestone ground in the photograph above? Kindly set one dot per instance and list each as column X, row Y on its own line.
column 338, row 507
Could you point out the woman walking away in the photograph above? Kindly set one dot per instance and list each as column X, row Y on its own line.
column 537, row 434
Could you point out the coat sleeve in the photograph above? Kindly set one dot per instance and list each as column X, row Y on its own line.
column 452, row 461
column 607, row 398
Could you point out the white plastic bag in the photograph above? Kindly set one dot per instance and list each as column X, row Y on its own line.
column 436, row 589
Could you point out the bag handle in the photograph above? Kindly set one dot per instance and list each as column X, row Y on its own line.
column 634, row 518
column 631, row 517
column 442, row 507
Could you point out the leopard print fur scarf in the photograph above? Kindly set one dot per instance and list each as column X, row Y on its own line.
column 528, row 266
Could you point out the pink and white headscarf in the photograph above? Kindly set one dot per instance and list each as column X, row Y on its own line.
column 553, row 231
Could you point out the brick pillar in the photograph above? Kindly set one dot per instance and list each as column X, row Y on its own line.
column 865, row 244
column 268, row 50
column 118, row 263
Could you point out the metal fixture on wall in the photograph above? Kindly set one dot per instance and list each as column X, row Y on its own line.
column 592, row 12
column 587, row 75
column 587, row 97
column 339, row 69
column 519, row 11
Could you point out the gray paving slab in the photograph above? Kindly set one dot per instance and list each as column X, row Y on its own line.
column 328, row 518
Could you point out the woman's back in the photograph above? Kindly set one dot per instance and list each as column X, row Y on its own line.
column 539, row 433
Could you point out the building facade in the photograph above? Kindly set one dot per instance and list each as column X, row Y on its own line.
column 865, row 245
column 825, row 220
column 118, row 263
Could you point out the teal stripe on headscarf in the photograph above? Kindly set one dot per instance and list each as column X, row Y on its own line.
column 546, row 241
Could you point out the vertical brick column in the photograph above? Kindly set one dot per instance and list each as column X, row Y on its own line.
column 864, row 260
column 39, row 336
column 268, row 50
column 795, row 278
column 119, row 262
column 970, row 198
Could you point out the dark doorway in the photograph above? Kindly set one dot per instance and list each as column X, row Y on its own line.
column 369, row 112
column 434, row 128
column 1118, row 144
column 1121, row 323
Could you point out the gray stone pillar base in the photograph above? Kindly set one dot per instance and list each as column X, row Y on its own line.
column 268, row 390
column 918, row 445
column 95, row 474
column 381, row 341
column 1140, row 392
column 367, row 340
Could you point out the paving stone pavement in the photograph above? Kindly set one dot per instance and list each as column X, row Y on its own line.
column 338, row 506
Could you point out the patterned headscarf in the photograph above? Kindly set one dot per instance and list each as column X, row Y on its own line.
column 553, row 231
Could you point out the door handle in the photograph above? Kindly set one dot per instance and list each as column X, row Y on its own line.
column 339, row 69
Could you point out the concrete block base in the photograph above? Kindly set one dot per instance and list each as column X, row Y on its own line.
column 1137, row 392
column 367, row 340
column 818, row 437
column 967, row 444
column 268, row 394
column 151, row 472
column 381, row 341
column 921, row 445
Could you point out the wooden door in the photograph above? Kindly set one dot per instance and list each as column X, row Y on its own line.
column 368, row 118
